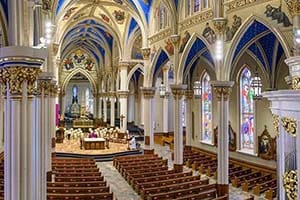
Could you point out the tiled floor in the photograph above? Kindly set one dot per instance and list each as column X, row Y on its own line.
column 123, row 191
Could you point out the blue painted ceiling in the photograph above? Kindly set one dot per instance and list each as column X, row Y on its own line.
column 162, row 59
column 262, row 46
column 4, row 4
column 91, row 34
column 132, row 25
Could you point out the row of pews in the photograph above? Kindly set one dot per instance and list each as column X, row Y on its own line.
column 150, row 177
column 77, row 179
column 249, row 178
column 2, row 176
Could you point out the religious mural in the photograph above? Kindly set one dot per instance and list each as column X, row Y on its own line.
column 209, row 34
column 230, row 31
column 278, row 15
column 136, row 52
column 247, row 110
column 206, row 109
column 47, row 4
column 69, row 13
column 184, row 41
column 79, row 59
column 169, row 46
column 119, row 16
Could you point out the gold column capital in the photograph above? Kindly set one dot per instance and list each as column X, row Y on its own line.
column 189, row 94
column 293, row 7
column 146, row 53
column 290, row 184
column 220, row 25
column 289, row 125
column 148, row 92
column 178, row 90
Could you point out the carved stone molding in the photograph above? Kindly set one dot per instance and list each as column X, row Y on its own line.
column 195, row 20
column 220, row 25
column 148, row 92
column 276, row 123
column 123, row 65
column 175, row 39
column 222, row 92
column 178, row 90
column 44, row 85
column 122, row 94
column 239, row 4
column 293, row 7
column 290, row 184
column 160, row 36
column 14, row 77
column 146, row 53
column 289, row 125
column 296, row 83
column 189, row 94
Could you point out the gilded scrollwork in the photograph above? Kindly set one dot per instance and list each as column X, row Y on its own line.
column 146, row 53
column 290, row 125
column 15, row 77
column 296, row 83
column 189, row 94
column 222, row 92
column 220, row 25
column 293, row 6
column 290, row 183
column 276, row 123
column 44, row 85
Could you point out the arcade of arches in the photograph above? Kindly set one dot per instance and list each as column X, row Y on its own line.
column 211, row 85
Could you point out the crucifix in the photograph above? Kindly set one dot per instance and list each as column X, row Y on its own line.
column 122, row 118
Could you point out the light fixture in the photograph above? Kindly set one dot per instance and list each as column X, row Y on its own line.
column 219, row 50
column 197, row 89
column 162, row 90
column 256, row 83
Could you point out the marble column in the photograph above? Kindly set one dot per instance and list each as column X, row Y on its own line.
column 20, row 129
column 105, row 109
column 188, row 118
column 2, row 100
column 166, row 101
column 148, row 93
column 222, row 91
column 112, row 110
column 100, row 115
column 53, row 95
column 95, row 108
column 123, row 98
column 178, row 92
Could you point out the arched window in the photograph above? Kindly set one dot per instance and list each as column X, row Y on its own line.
column 206, row 109
column 196, row 5
column 246, row 111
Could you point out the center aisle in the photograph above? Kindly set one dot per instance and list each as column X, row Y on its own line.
column 118, row 185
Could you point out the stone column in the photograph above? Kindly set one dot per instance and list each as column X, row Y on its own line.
column 21, row 130
column 100, row 115
column 188, row 118
column 95, row 108
column 53, row 95
column 2, row 100
column 105, row 108
column 166, row 101
column 178, row 92
column 222, row 90
column 123, row 96
column 112, row 110
column 148, row 93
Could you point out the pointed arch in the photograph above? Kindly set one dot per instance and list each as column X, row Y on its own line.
column 133, row 71
column 82, row 71
column 159, row 60
column 229, row 58
column 197, row 46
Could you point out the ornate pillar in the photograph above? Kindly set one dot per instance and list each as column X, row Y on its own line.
column 148, row 93
column 53, row 95
column 166, row 100
column 105, row 108
column 222, row 90
column 178, row 92
column 123, row 95
column 21, row 129
column 95, row 108
column 188, row 118
column 100, row 115
column 2, row 101
column 112, row 110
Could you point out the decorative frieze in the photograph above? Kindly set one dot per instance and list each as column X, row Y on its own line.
column 289, row 125
column 293, row 7
column 148, row 92
column 196, row 20
column 14, row 77
column 160, row 36
column 276, row 123
column 123, row 94
column 290, row 184
column 239, row 4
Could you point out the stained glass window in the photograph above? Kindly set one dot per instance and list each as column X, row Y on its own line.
column 162, row 17
column 246, row 109
column 206, row 109
column 196, row 5
column 183, row 113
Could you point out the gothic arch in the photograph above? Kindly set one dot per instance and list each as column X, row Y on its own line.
column 132, row 71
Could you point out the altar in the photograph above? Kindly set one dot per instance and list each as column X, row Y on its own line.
column 93, row 143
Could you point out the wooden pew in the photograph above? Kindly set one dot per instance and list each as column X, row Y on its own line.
column 237, row 181
column 250, row 183
column 100, row 196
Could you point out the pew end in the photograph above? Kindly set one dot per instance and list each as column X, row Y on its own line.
column 245, row 186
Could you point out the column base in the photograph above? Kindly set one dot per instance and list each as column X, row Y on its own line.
column 188, row 148
column 178, row 168
column 222, row 189
column 148, row 151
column 49, row 176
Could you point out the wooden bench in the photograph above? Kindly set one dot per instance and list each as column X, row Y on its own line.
column 96, row 196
